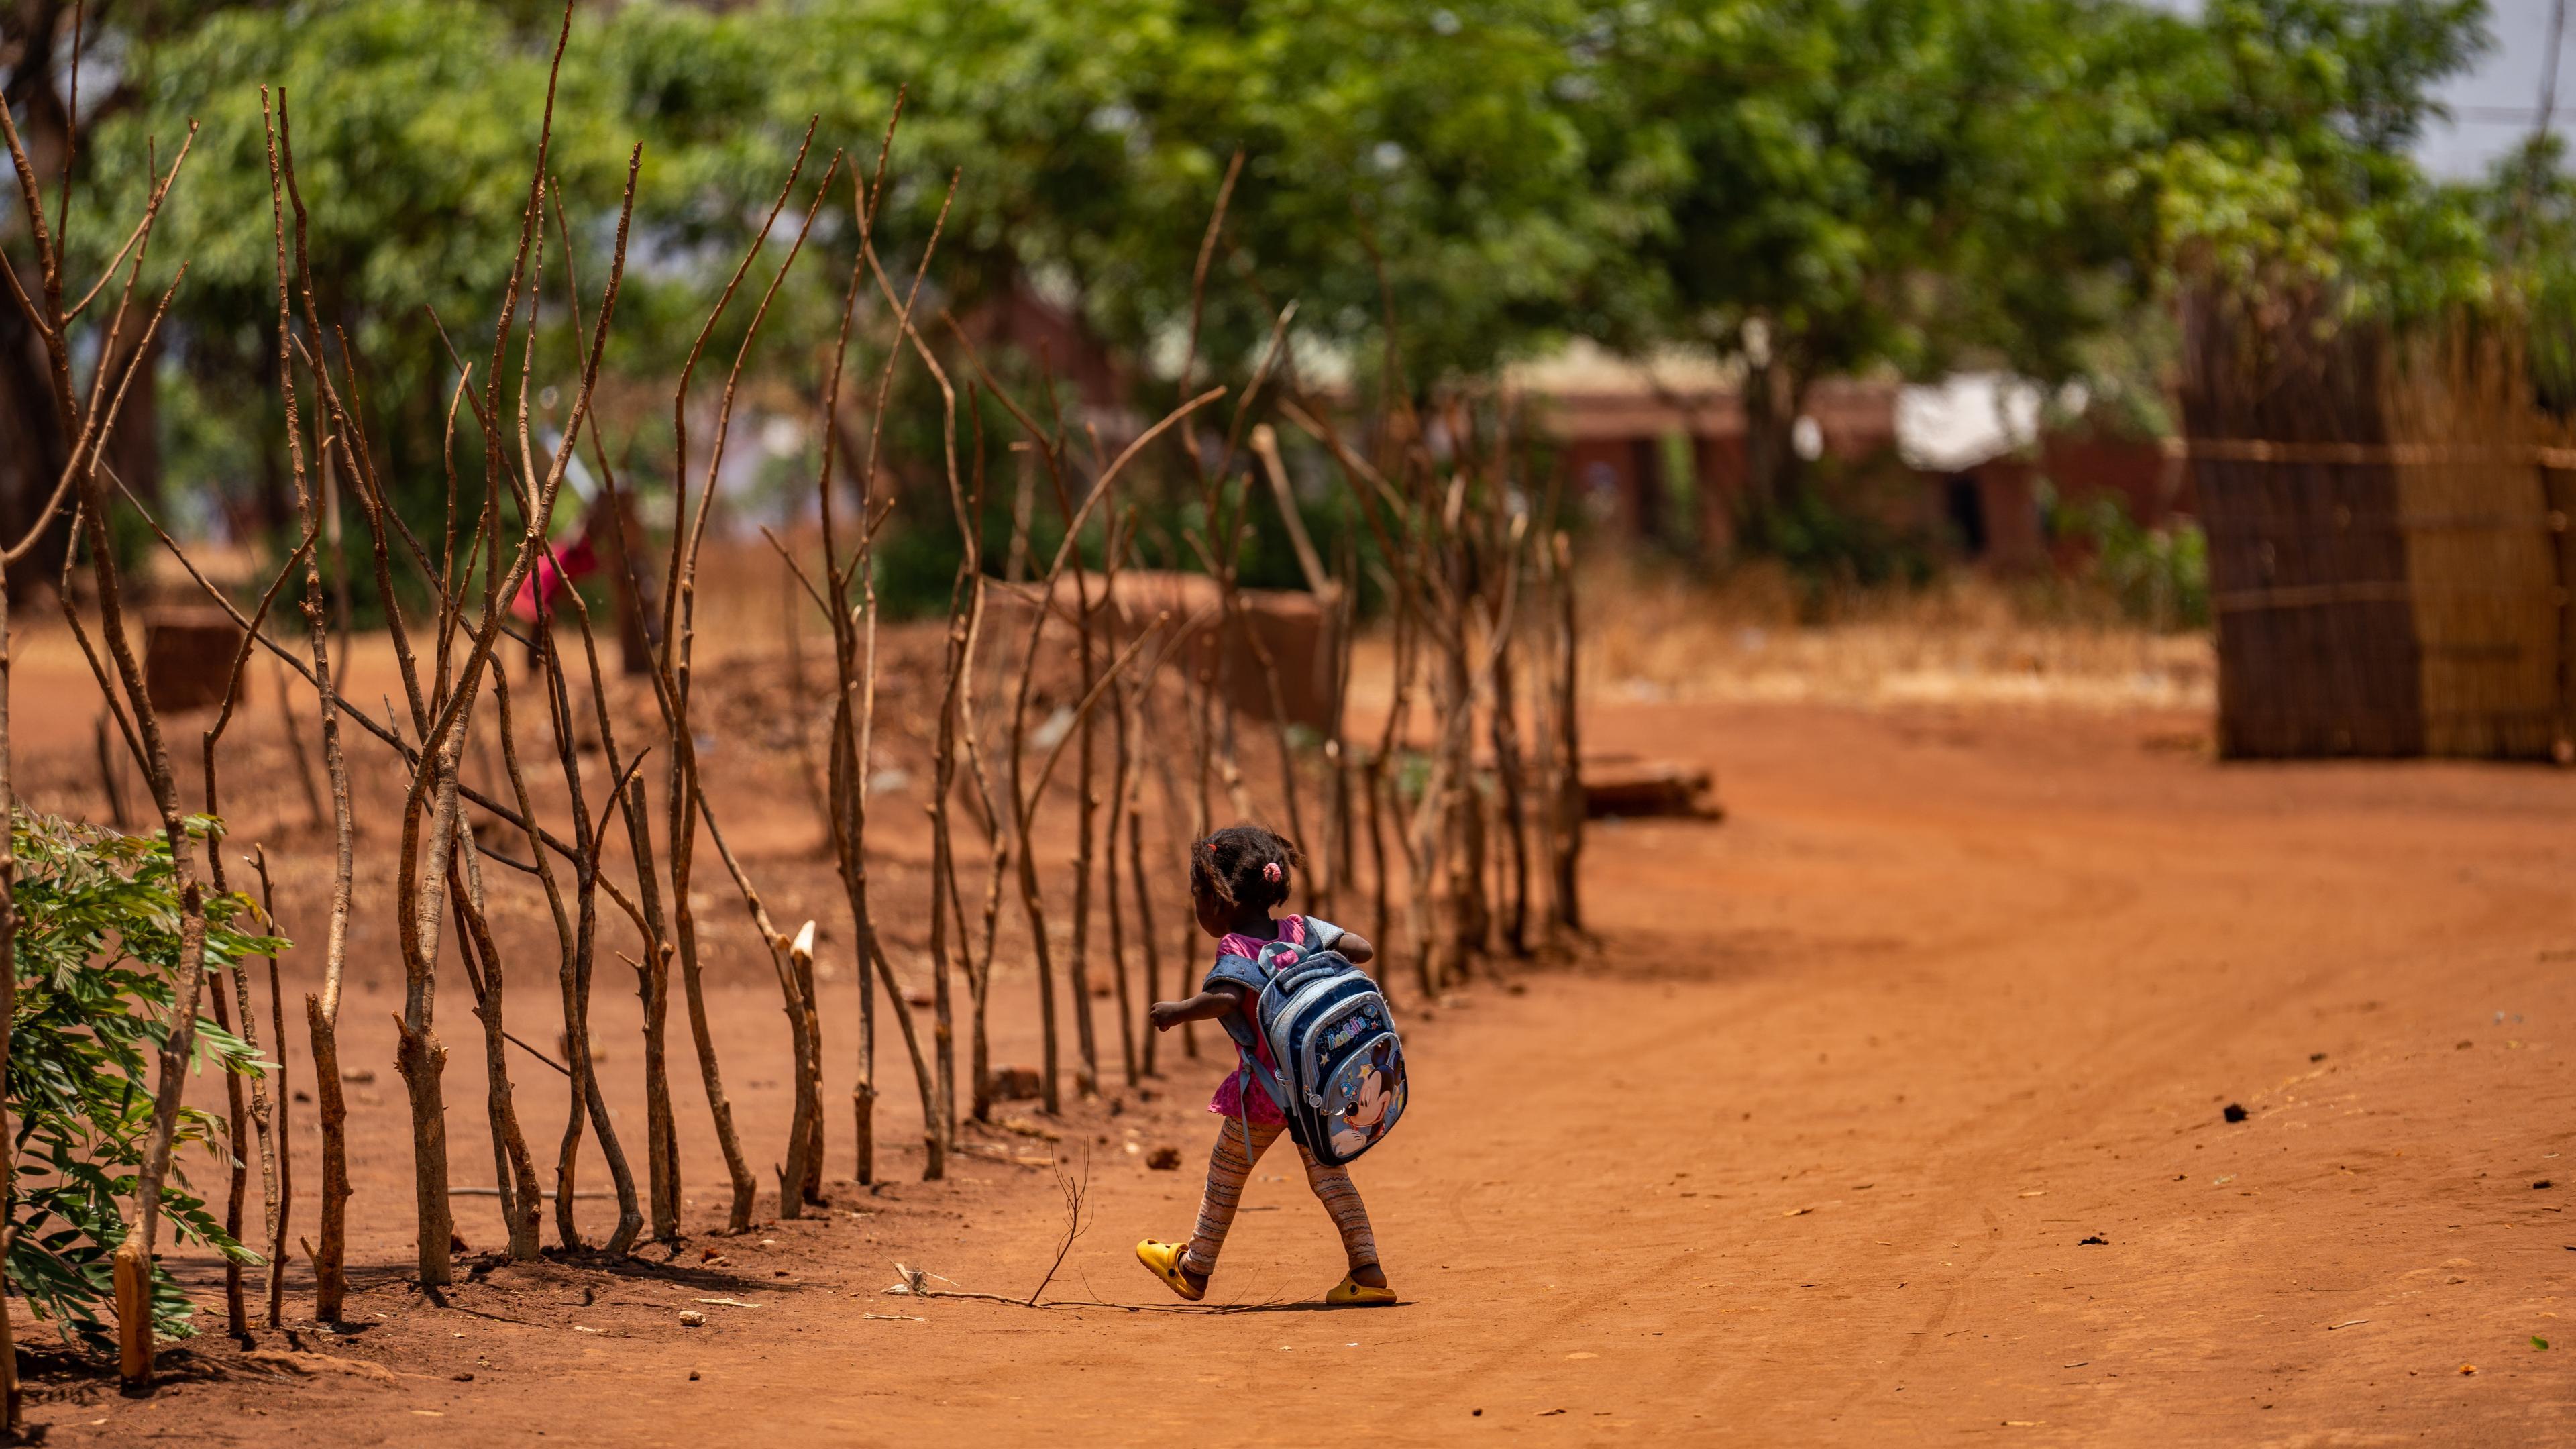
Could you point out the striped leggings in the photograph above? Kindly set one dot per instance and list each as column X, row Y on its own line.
column 1229, row 1167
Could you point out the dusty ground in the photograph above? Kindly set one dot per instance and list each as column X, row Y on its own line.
column 1890, row 1109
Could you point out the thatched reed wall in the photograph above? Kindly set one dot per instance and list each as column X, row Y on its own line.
column 2389, row 554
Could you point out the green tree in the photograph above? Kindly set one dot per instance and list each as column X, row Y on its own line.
column 1803, row 187
column 98, row 943
column 1913, row 184
column 414, row 123
column 2283, row 168
column 2528, row 207
column 1088, row 140
column 1869, row 184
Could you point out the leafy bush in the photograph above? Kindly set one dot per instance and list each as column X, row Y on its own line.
column 1829, row 540
column 97, row 958
column 2160, row 576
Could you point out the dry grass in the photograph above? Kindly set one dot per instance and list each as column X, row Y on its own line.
column 1654, row 633
column 1964, row 640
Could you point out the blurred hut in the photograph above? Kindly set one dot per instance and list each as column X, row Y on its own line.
column 1654, row 446
column 1294, row 630
column 2388, row 547
column 1655, row 449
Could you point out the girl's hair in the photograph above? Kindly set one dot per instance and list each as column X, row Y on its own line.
column 1243, row 865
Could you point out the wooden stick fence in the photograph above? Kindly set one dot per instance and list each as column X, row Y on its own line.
column 1477, row 584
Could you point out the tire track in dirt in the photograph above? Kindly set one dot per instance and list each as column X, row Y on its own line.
column 2154, row 1039
column 2107, row 1108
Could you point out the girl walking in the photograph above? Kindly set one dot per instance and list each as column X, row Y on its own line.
column 1238, row 876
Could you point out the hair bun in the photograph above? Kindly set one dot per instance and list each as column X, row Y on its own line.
column 1242, row 866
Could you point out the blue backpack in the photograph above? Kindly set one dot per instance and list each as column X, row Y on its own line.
column 1340, row 1081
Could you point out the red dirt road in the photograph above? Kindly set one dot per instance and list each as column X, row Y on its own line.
column 1809, row 1151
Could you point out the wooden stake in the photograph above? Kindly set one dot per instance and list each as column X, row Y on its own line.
column 1569, row 801
column 1119, row 785
column 133, row 1309
column 321, row 1011
column 8, row 1003
column 513, row 1167
column 281, row 1202
column 330, row 1278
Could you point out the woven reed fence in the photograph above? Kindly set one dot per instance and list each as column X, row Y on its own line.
column 2389, row 553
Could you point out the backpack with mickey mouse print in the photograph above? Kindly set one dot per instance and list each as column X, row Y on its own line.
column 1340, row 1080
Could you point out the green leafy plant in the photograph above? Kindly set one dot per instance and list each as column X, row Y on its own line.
column 97, row 958
column 1412, row 774
column 1831, row 536
column 2159, row 576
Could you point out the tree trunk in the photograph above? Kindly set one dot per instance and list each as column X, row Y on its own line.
column 514, row 1170
column 1569, row 795
column 811, row 1185
column 945, row 905
column 1086, row 1079
column 1033, row 905
column 982, row 1061
column 684, row 926
column 1510, row 789
column 1118, row 782
column 8, row 1019
column 236, row 1181
column 1381, row 913
column 262, row 1118
column 854, row 741
column 1468, row 916
column 1144, row 923
column 420, row 1056
column 653, row 984
column 330, row 1276
column 849, row 820
column 1774, row 392
column 1344, row 873
column 804, row 1097
column 281, row 1203
column 576, row 982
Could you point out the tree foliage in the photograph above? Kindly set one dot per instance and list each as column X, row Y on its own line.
column 1801, row 187
column 2284, row 168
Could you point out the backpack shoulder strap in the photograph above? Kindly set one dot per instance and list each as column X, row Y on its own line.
column 1245, row 975
column 1236, row 970
column 1321, row 935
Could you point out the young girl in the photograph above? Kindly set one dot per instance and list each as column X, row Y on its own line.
column 1237, row 877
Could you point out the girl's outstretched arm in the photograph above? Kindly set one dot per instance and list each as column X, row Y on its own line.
column 1208, row 1005
column 1355, row 948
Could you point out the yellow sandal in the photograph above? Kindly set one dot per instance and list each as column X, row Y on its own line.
column 1164, row 1261
column 1352, row 1293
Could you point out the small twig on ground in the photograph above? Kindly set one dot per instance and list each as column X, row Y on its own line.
column 1076, row 1191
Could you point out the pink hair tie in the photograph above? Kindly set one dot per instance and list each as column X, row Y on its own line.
column 1271, row 872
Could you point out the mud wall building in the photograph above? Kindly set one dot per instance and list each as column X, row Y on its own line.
column 1655, row 450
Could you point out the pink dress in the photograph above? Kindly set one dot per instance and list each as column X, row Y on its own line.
column 1236, row 1096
